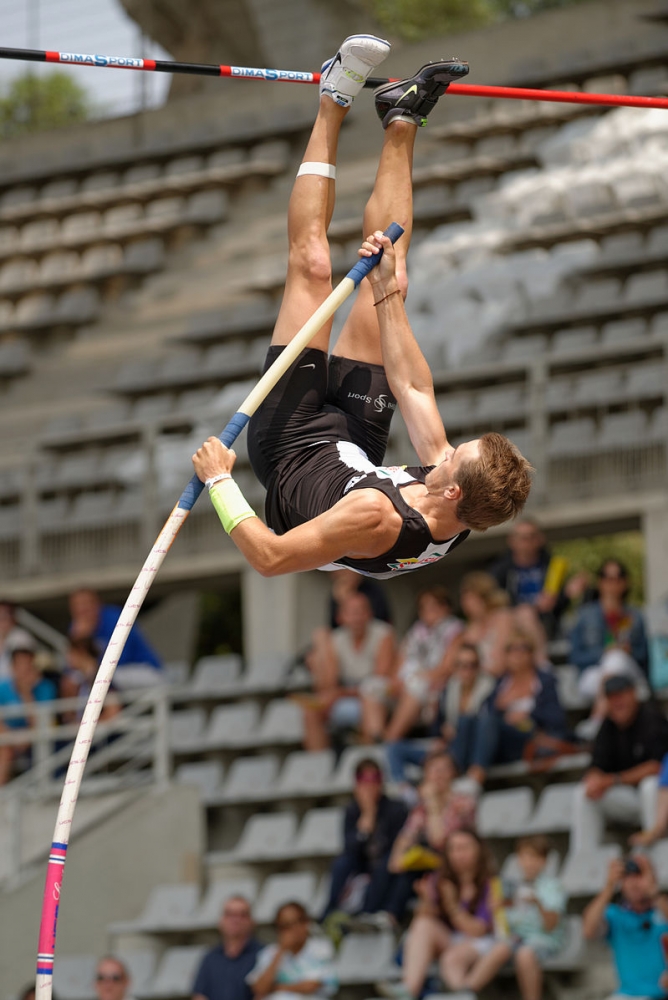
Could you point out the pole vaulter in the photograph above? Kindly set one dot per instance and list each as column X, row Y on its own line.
column 304, row 76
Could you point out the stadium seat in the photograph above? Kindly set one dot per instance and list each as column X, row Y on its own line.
column 206, row 207
column 250, row 779
column 73, row 977
column 623, row 331
column 141, row 965
column 18, row 274
column 186, row 730
column 215, row 674
column 167, row 908
column 84, row 227
column 501, row 403
column 306, row 773
column 215, row 897
column 598, row 386
column 269, row 157
column 572, row 955
column 366, row 959
column 568, row 687
column 571, row 437
column 282, row 722
column 266, row 672
column 553, row 811
column 176, row 973
column 267, row 836
column 657, row 241
column 578, row 338
column 207, row 775
column 39, row 235
column 659, row 857
column 584, row 874
column 14, row 358
column 35, row 310
column 143, row 256
column 504, row 813
column 164, row 212
column 279, row 889
column 92, row 508
column 122, row 220
column 622, row 246
column 77, row 306
column 624, row 429
column 646, row 285
column 233, row 725
column 524, row 348
column 645, row 380
column 321, row 833
column 595, row 295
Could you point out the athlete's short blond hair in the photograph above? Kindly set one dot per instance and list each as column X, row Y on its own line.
column 495, row 487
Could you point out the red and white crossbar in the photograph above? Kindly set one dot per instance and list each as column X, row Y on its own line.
column 299, row 76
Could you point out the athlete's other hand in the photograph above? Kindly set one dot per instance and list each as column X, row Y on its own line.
column 384, row 273
column 212, row 459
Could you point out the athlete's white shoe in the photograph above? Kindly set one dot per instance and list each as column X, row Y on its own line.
column 343, row 76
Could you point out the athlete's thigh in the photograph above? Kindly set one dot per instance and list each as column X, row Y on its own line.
column 360, row 336
column 301, row 298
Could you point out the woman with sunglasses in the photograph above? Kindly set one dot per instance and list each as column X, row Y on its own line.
column 523, row 707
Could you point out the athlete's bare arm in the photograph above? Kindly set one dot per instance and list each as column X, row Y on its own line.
column 407, row 371
column 362, row 525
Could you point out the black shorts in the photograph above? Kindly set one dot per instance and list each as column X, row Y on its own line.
column 319, row 401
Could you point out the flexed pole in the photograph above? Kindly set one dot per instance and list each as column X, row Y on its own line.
column 304, row 76
column 54, row 875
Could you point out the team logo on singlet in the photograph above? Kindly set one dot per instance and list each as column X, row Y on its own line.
column 381, row 403
column 403, row 564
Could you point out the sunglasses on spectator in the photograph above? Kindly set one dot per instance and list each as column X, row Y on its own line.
column 370, row 778
column 518, row 647
column 611, row 576
column 109, row 977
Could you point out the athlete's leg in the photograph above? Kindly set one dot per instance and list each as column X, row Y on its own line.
column 390, row 201
column 309, row 279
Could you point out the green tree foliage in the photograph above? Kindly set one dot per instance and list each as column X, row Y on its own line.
column 417, row 19
column 33, row 103
column 589, row 553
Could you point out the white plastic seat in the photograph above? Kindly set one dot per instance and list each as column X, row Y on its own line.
column 578, row 338
column 366, row 959
column 21, row 273
column 553, row 811
column 503, row 402
column 216, row 896
column 504, row 813
column 571, row 437
column 123, row 219
column 186, row 730
column 572, row 955
column 80, row 228
column 267, row 836
column 626, row 428
column 266, row 673
column 35, row 310
column 141, row 965
column 321, row 833
column 250, row 778
column 598, row 294
column 269, row 157
column 623, row 331
column 176, row 972
column 164, row 212
column 73, row 977
column 167, row 908
column 646, row 285
column 63, row 265
column 207, row 775
column 279, row 889
column 215, row 674
column 206, row 207
column 658, row 853
column 233, row 725
column 143, row 256
column 568, row 677
column 645, row 380
column 282, row 722
column 604, row 386
column 584, row 874
column 306, row 772
column 39, row 234
column 102, row 260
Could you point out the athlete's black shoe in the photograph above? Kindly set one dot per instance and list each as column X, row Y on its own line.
column 412, row 100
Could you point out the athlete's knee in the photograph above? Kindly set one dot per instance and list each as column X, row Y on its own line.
column 309, row 257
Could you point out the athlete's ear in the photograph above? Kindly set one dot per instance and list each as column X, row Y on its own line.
column 453, row 492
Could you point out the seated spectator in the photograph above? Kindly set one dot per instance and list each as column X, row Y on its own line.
column 456, row 922
column 608, row 628
column 297, row 964
column 465, row 693
column 11, row 637
column 439, row 812
column 25, row 686
column 535, row 907
column 626, row 757
column 489, row 622
column 77, row 681
column 419, row 681
column 372, row 822
column 635, row 927
column 138, row 664
column 350, row 676
column 223, row 970
column 347, row 581
column 660, row 828
column 522, row 709
column 112, row 979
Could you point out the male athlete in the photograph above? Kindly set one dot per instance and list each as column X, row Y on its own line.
column 317, row 442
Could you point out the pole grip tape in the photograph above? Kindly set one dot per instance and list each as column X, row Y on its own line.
column 232, row 431
column 366, row 264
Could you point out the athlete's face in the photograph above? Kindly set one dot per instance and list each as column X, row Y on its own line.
column 444, row 477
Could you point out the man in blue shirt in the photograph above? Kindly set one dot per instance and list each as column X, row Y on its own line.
column 25, row 686
column 633, row 927
column 91, row 619
column 222, row 974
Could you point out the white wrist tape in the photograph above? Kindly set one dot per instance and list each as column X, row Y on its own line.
column 319, row 169
column 217, row 479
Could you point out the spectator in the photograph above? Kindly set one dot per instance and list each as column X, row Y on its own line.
column 77, row 680
column 465, row 693
column 489, row 622
column 626, row 757
column 534, row 910
column 522, row 709
column 346, row 582
column 350, row 676
column 608, row 628
column 138, row 664
column 455, row 922
column 633, row 927
column 372, row 822
column 27, row 993
column 112, row 979
column 297, row 964
column 223, row 971
column 660, row 828
column 440, row 811
column 25, row 687
column 11, row 637
column 531, row 576
column 422, row 652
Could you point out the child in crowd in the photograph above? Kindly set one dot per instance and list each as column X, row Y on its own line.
column 534, row 910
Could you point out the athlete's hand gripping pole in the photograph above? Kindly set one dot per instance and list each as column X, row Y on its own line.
column 54, row 875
